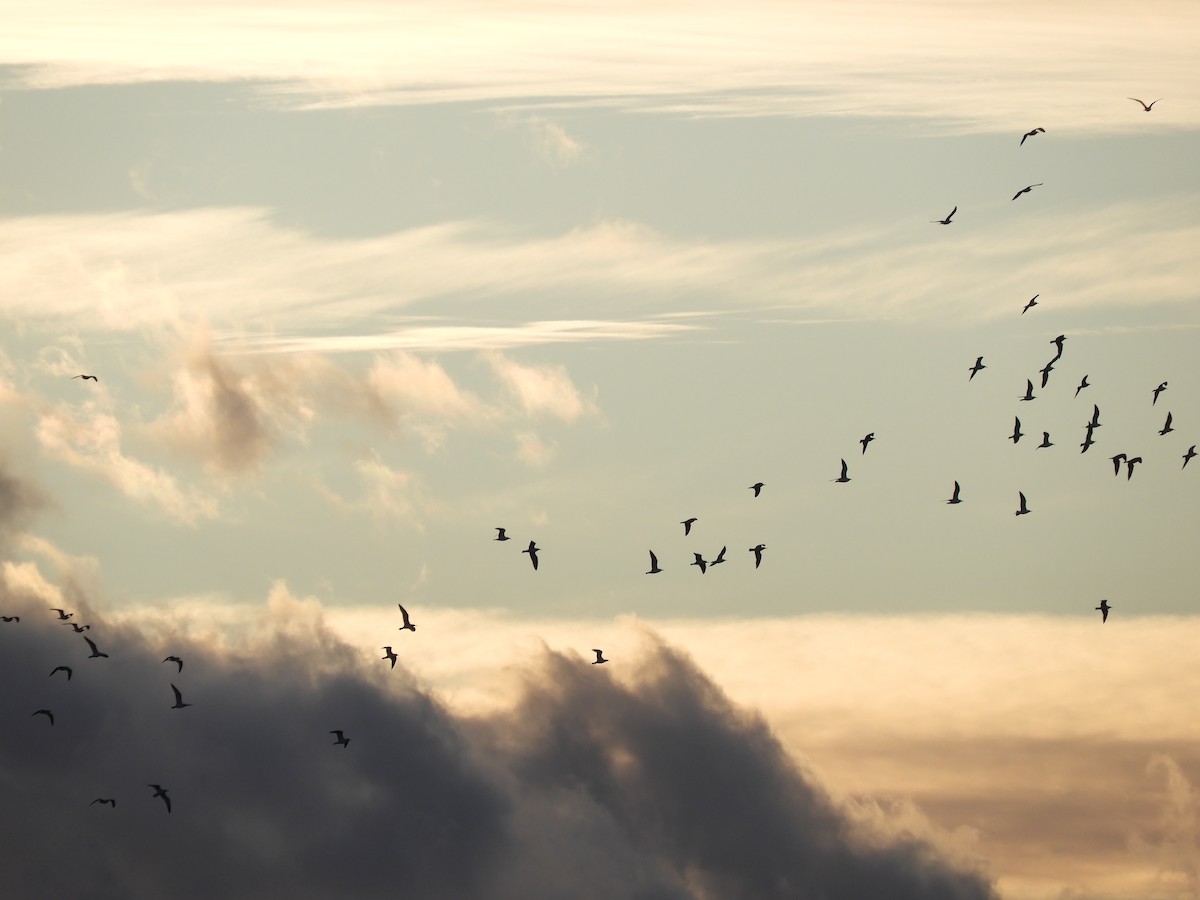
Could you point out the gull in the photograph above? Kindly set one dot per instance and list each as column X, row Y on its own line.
column 1129, row 464
column 1045, row 441
column 1145, row 108
column 63, row 616
column 111, row 801
column 66, row 669
column 954, row 497
column 79, row 629
column 1167, row 429
column 687, row 525
column 757, row 488
column 1095, row 423
column 389, row 655
column 501, row 536
column 85, row 377
column 96, row 654
column 757, row 550
column 1104, row 608
column 843, row 478
column 1158, row 390
column 1032, row 302
column 10, row 618
column 179, row 704
column 45, row 712
column 654, row 569
column 1030, row 134
column 341, row 739
column 1026, row 190
column 1117, row 460
column 870, row 437
column 1016, row 435
column 975, row 368
column 532, row 550
column 1058, row 342
column 1087, row 439
column 599, row 657
column 1024, row 510
column 160, row 791
column 1046, row 370
column 1187, row 456
column 720, row 557
column 409, row 626
column 945, row 221
column 699, row 561
column 1028, row 391
column 176, row 660
column 1082, row 385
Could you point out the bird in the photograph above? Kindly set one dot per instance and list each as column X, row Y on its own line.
column 1117, row 460
column 699, row 561
column 390, row 655
column 341, row 739
column 1104, row 608
column 1058, row 342
column 176, row 660
column 720, row 558
column 757, row 488
column 1095, row 423
column 757, row 550
column 10, row 618
column 1187, row 456
column 975, row 368
column 866, row 440
column 599, row 657
column 66, row 669
column 79, row 629
column 1032, row 302
column 501, row 536
column 687, row 525
column 1030, row 134
column 843, row 478
column 954, row 497
column 409, row 626
column 1017, row 434
column 63, row 616
column 1082, row 385
column 45, row 712
column 654, row 569
column 1026, row 190
column 1129, row 464
column 945, row 221
column 1087, row 438
column 1158, row 390
column 1028, row 391
column 1045, row 441
column 110, row 801
column 179, row 704
column 532, row 550
column 160, row 791
column 1046, row 370
column 1166, row 429
column 93, row 377
column 1145, row 108
column 95, row 654
column 1024, row 510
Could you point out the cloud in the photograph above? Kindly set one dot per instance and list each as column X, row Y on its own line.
column 20, row 501
column 552, row 142
column 543, row 389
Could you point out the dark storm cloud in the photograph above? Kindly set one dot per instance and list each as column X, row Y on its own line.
column 585, row 787
column 19, row 500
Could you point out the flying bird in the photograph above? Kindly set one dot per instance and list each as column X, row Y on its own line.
column 1095, row 423
column 501, row 536
column 63, row 616
column 1017, row 434
column 599, row 657
column 1058, row 342
column 1082, row 385
column 720, row 558
column 1024, row 510
column 1046, row 370
column 1028, row 391
column 699, row 561
column 176, row 660
column 1030, row 134
column 1032, row 302
column 866, row 440
column 1045, row 441
column 390, row 655
column 1087, row 438
column 160, row 791
column 409, row 626
column 945, row 221
column 1187, row 456
column 179, row 704
column 1158, row 390
column 95, row 654
column 687, row 525
column 1117, row 460
column 532, row 550
column 1104, row 608
column 757, row 488
column 85, row 377
column 69, row 672
column 654, row 569
column 843, row 478
column 975, row 368
column 45, row 712
column 341, row 739
column 1129, row 464
column 757, row 550
column 110, row 801
column 79, row 629
column 954, row 497
column 1145, row 108
column 1166, row 429
column 10, row 618
column 1026, row 190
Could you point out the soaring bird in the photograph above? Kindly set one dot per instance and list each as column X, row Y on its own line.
column 1104, row 608
column 110, row 801
column 1058, row 342
column 1045, row 441
column 954, row 497
column 176, row 660
column 1117, row 461
column 45, row 712
column 341, row 739
column 945, row 221
column 757, row 488
column 1145, row 107
column 1024, row 510
column 1166, row 429
column 843, row 478
column 757, row 550
column 1095, row 423
column 866, row 440
column 699, row 561
column 1046, row 370
column 10, row 618
column 1028, row 391
column 1032, row 302
column 1087, row 438
column 1082, row 385
column 1017, row 434
column 687, row 525
column 654, row 569
column 409, row 626
column 1158, row 390
column 69, row 671
column 1026, row 190
column 532, row 550
column 179, row 704
column 1030, row 134
column 1129, row 464
column 95, row 654
column 85, row 377
column 63, row 616
column 390, row 655
column 160, row 791
column 1187, row 456
column 720, row 557
column 975, row 368
column 501, row 536
column 79, row 629
column 599, row 657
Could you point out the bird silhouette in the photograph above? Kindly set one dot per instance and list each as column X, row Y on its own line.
column 1046, row 370
column 1030, row 134
column 501, row 536
column 45, row 712
column 85, row 377
column 1026, row 190
column 66, row 669
column 1117, row 461
column 757, row 488
column 409, row 626
column 654, row 569
column 1024, row 509
column 1045, row 441
column 1032, row 303
column 945, row 221
column 1028, row 391
column 720, row 558
column 1145, row 107
column 1158, row 390
column 687, row 525
column 1087, row 438
column 95, row 654
column 1166, row 429
column 1017, row 434
column 1095, row 423
column 1058, row 342
column 1191, row 451
column 1129, row 464
column 179, row 704
column 109, row 801
column 176, row 660
column 976, row 368
column 757, row 550
column 1104, row 608
column 79, row 629
column 954, row 497
column 1082, row 385
column 532, row 550
column 160, row 791
column 63, row 616
column 866, row 440
column 843, row 478
column 599, row 657
column 699, row 561
column 341, row 739
column 390, row 655
column 10, row 618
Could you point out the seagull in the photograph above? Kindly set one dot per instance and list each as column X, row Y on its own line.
column 176, row 660
column 179, row 704
column 111, row 801
column 94, row 378
column 1087, row 438
column 45, row 712
column 654, row 569
column 1145, row 108
column 1046, row 370
column 1129, row 464
column 757, row 488
column 975, row 368
column 843, row 478
column 945, row 221
column 1158, row 390
column 954, row 497
column 757, row 550
column 1117, row 460
column 1032, row 302
column 1026, row 190
column 79, row 629
column 1190, row 453
column 1104, row 608
column 10, row 618
column 1167, row 429
column 1058, row 342
column 160, row 791
column 96, row 654
column 720, row 557
column 341, row 739
column 532, row 550
column 501, row 536
column 1024, row 510
column 1082, row 385
column 389, row 655
column 599, row 657
column 1045, row 441
column 699, row 561
column 870, row 437
column 68, row 669
column 1095, row 423
column 687, row 525
column 63, row 616
column 1028, row 391
column 1016, row 435
column 1030, row 134
column 409, row 626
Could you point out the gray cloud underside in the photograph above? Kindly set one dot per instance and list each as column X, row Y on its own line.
column 585, row 787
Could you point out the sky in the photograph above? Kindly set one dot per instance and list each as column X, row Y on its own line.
column 361, row 284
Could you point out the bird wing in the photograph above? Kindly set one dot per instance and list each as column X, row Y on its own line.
column 178, row 696
column 653, row 560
